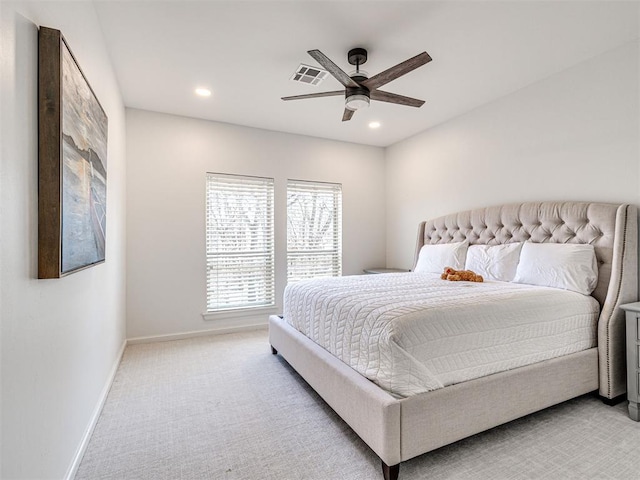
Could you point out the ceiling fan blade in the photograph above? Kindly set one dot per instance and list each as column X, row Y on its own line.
column 332, row 68
column 335, row 93
column 395, row 98
column 346, row 116
column 394, row 72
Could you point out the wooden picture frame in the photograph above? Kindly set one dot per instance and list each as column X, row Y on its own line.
column 72, row 163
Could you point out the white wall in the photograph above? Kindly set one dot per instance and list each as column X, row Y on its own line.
column 168, row 157
column 60, row 338
column 572, row 136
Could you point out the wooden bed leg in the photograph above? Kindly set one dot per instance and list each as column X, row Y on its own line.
column 274, row 351
column 390, row 472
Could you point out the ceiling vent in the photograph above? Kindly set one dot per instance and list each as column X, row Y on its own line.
column 310, row 75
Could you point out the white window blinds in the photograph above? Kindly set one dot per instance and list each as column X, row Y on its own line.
column 239, row 243
column 314, row 230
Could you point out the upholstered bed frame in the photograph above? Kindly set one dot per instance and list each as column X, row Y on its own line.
column 400, row 429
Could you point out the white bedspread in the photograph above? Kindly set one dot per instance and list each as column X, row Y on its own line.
column 411, row 333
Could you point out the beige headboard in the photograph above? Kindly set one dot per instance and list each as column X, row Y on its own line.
column 610, row 228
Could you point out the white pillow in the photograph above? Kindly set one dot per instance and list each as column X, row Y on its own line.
column 434, row 258
column 561, row 265
column 494, row 262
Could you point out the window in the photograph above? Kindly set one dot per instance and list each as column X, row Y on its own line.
column 239, row 242
column 314, row 230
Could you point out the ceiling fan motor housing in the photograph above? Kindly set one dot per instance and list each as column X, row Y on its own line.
column 361, row 90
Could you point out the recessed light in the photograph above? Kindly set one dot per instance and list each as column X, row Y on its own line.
column 374, row 125
column 203, row 92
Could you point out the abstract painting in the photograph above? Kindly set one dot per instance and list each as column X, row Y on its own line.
column 72, row 163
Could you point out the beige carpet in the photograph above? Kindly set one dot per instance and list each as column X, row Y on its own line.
column 223, row 407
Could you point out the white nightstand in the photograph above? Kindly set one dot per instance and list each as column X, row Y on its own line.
column 633, row 357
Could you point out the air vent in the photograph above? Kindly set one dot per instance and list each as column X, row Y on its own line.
column 310, row 75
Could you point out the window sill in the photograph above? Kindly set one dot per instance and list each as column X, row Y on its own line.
column 240, row 312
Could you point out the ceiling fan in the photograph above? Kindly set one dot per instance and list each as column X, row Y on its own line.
column 359, row 89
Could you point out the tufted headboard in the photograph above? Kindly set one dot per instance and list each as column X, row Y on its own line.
column 610, row 228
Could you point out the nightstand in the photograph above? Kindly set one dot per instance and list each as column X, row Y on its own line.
column 633, row 357
column 385, row 270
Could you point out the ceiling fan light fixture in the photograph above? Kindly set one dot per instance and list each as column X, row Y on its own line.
column 356, row 102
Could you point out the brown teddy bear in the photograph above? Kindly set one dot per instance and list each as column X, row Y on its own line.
column 460, row 275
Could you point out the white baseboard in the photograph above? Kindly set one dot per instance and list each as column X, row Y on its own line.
column 198, row 333
column 73, row 468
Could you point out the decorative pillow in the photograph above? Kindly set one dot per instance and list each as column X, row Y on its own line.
column 433, row 258
column 494, row 262
column 561, row 265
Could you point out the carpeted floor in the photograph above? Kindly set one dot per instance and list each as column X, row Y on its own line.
column 223, row 407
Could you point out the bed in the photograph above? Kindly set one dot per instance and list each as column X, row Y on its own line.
column 398, row 427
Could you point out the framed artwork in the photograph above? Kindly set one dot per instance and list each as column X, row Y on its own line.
column 72, row 163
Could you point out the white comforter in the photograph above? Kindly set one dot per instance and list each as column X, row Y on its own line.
column 411, row 333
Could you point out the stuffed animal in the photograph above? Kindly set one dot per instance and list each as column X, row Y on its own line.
column 460, row 275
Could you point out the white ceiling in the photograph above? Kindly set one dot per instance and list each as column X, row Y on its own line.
column 246, row 51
